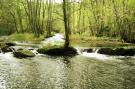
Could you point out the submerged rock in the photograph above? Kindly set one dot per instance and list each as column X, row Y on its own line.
column 58, row 51
column 108, row 51
column 23, row 54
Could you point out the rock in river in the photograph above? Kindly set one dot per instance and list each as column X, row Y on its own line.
column 108, row 51
column 117, row 51
column 124, row 52
column 23, row 54
column 6, row 47
column 10, row 44
column 58, row 51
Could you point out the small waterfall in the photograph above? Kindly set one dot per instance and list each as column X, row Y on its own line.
column 12, row 49
column 96, row 50
column 94, row 54
column 79, row 51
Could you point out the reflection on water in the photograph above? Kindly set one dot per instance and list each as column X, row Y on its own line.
column 80, row 72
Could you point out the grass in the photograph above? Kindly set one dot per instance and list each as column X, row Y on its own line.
column 90, row 41
column 26, row 37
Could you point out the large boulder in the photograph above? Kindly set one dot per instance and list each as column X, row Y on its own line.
column 117, row 51
column 130, row 52
column 124, row 52
column 107, row 51
column 58, row 51
column 120, row 51
column 23, row 54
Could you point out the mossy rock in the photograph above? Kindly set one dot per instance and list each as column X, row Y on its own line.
column 6, row 44
column 10, row 44
column 117, row 51
column 120, row 51
column 58, row 51
column 130, row 52
column 125, row 52
column 6, row 49
column 23, row 54
column 2, row 45
column 107, row 51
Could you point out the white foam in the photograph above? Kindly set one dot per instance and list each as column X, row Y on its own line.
column 57, row 39
column 96, row 55
column 6, row 56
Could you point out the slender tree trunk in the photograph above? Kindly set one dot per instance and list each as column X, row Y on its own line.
column 67, row 42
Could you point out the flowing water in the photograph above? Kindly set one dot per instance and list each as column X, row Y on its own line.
column 85, row 71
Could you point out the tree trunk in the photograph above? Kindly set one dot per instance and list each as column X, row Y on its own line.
column 65, row 16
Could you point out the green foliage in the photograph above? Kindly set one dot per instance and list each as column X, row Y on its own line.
column 109, row 18
column 26, row 37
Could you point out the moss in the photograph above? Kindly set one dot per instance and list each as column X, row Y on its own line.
column 58, row 51
column 23, row 54
column 117, row 51
column 125, row 51
column 108, row 51
column 2, row 45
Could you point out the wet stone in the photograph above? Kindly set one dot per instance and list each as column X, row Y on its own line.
column 23, row 54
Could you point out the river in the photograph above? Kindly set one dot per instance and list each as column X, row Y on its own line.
column 79, row 72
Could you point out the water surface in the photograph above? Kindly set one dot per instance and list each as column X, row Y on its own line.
column 79, row 72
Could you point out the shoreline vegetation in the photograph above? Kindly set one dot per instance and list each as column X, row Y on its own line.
column 85, row 41
column 107, row 46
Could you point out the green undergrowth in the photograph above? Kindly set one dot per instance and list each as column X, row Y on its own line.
column 76, row 40
column 26, row 37
column 90, row 41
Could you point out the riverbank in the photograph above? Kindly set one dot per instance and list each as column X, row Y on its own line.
column 84, row 41
column 76, row 40
column 54, row 45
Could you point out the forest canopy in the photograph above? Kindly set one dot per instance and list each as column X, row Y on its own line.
column 99, row 18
